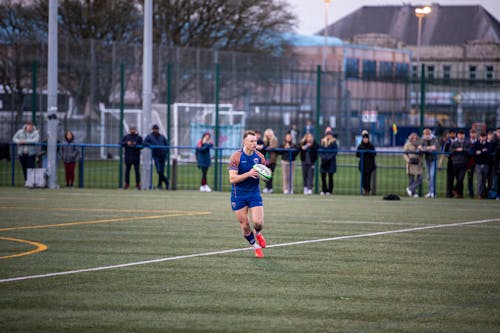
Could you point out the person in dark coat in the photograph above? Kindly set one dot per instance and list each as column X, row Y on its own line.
column 308, row 155
column 155, row 138
column 366, row 153
column 446, row 149
column 483, row 153
column 288, row 155
column 328, row 154
column 460, row 152
column 203, row 159
column 132, row 142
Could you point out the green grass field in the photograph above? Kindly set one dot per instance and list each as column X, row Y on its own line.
column 175, row 261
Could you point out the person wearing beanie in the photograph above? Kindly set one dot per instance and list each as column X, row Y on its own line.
column 132, row 143
column 366, row 154
column 328, row 154
column 159, row 153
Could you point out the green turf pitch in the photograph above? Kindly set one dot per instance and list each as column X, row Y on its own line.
column 424, row 279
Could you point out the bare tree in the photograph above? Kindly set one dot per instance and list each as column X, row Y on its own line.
column 88, row 33
column 18, row 51
column 236, row 25
column 95, row 36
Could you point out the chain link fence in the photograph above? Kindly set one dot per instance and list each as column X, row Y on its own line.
column 195, row 90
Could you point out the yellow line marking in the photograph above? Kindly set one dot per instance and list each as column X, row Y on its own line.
column 39, row 247
column 111, row 210
column 123, row 219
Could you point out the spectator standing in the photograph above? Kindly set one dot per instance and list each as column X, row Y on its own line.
column 483, row 153
column 294, row 133
column 203, row 159
column 460, row 151
column 450, row 177
column 366, row 153
column 413, row 159
column 270, row 147
column 471, row 163
column 309, row 128
column 428, row 147
column 69, row 153
column 288, row 155
column 328, row 154
column 132, row 142
column 490, row 141
column 159, row 153
column 308, row 156
column 26, row 139
column 260, row 142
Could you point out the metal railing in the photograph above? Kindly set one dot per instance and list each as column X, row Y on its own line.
column 94, row 172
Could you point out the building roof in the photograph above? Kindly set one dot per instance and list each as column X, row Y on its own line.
column 311, row 40
column 445, row 25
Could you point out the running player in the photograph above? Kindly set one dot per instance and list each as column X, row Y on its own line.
column 245, row 191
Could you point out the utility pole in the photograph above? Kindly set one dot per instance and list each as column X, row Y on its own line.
column 147, row 71
column 52, row 121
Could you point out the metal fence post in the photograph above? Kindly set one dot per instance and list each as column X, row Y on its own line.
column 361, row 170
column 169, row 114
column 81, row 169
column 122, row 103
column 13, row 154
column 318, row 112
column 217, row 154
column 33, row 94
column 422, row 98
column 173, row 181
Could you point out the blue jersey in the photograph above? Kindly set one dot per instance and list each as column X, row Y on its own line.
column 243, row 163
column 245, row 193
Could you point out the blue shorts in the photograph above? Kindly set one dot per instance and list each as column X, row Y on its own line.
column 250, row 200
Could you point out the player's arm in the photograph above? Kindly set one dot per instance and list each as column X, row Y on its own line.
column 234, row 163
column 234, row 177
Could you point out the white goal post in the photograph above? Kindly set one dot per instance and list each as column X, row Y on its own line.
column 189, row 121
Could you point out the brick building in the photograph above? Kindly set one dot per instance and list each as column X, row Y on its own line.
column 459, row 52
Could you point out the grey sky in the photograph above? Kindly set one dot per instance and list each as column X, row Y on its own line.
column 311, row 13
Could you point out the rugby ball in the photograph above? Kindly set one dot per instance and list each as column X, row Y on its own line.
column 264, row 172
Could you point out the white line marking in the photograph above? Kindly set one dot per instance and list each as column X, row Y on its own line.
column 368, row 222
column 381, row 233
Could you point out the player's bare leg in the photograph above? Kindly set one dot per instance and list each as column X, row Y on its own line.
column 258, row 224
column 242, row 216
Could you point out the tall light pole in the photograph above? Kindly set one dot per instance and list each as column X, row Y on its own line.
column 147, row 82
column 52, row 85
column 421, row 12
column 327, row 3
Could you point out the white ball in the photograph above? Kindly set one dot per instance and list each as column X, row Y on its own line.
column 264, row 172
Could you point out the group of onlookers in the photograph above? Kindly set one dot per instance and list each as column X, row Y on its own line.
column 420, row 152
column 475, row 156
column 467, row 157
column 27, row 139
column 308, row 151
column 133, row 143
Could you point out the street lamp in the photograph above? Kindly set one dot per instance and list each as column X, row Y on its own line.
column 421, row 12
column 327, row 3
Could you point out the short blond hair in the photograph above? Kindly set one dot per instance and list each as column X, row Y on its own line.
column 247, row 133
